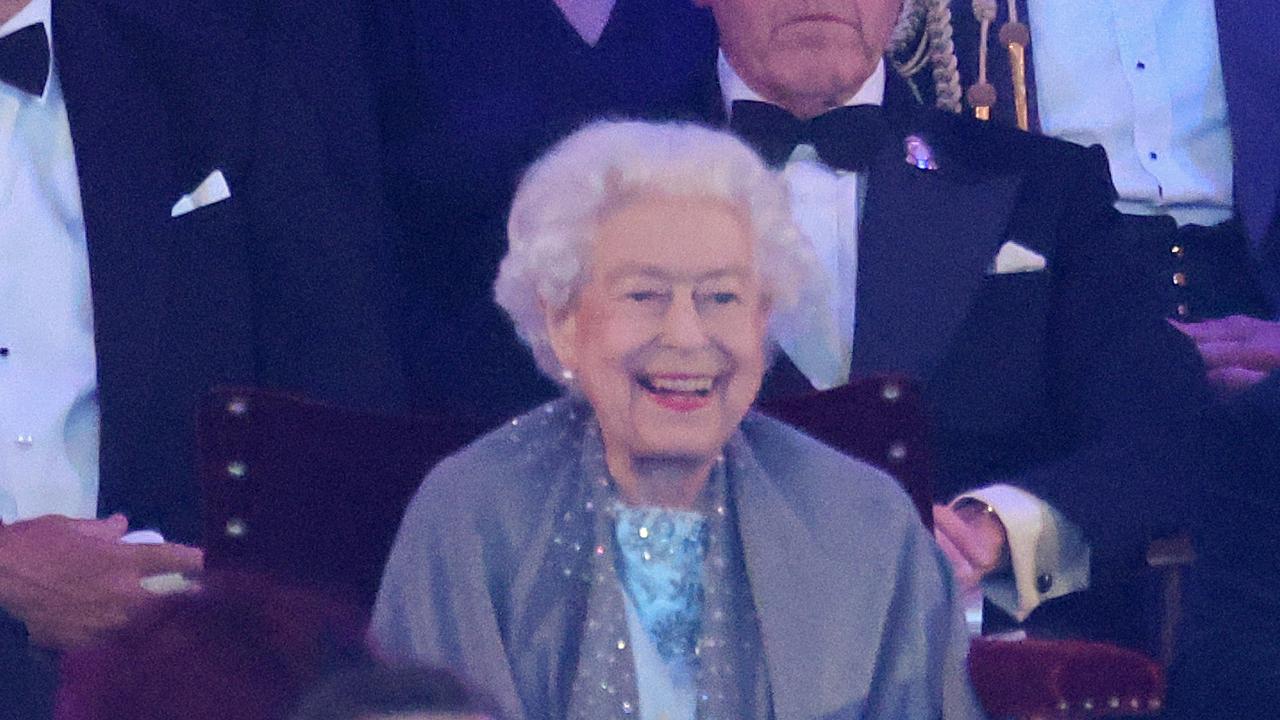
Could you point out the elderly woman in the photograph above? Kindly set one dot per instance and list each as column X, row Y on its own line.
column 646, row 547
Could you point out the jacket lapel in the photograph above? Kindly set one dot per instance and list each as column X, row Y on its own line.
column 124, row 183
column 927, row 240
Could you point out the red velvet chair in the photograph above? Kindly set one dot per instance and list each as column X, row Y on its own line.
column 309, row 492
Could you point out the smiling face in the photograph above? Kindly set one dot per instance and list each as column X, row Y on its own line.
column 667, row 337
column 806, row 55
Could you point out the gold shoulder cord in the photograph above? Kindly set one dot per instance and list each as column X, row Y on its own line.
column 1016, row 36
column 982, row 94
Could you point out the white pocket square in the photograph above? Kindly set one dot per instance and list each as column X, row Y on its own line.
column 1014, row 258
column 212, row 190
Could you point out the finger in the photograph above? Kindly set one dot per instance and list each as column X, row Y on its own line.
column 1183, row 328
column 960, row 567
column 165, row 558
column 109, row 528
column 1235, row 327
column 981, row 544
column 1235, row 378
column 949, row 523
column 1261, row 355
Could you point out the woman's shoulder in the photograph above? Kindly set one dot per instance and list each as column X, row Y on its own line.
column 513, row 465
column 825, row 480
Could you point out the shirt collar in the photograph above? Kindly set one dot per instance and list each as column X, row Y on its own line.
column 36, row 11
column 733, row 87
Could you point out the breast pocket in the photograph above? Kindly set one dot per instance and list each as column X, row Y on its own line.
column 208, row 272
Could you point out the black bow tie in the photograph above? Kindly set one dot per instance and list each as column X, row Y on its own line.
column 24, row 59
column 847, row 138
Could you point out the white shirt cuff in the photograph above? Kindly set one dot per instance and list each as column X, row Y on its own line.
column 1048, row 555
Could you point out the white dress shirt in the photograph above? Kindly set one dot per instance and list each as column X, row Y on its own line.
column 1143, row 78
column 827, row 206
column 588, row 17
column 48, row 374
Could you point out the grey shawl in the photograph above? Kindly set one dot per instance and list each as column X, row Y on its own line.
column 856, row 611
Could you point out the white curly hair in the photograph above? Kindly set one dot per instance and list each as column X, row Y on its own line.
column 564, row 195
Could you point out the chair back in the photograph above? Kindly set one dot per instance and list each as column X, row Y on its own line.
column 879, row 419
column 308, row 492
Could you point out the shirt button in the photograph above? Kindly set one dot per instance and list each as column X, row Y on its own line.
column 25, row 441
column 4, row 352
column 1142, row 65
column 1180, row 279
column 1044, row 582
column 1153, row 156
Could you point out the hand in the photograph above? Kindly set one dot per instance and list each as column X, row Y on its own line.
column 69, row 580
column 1239, row 351
column 973, row 539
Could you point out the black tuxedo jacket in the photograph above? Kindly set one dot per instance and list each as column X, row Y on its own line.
column 284, row 284
column 1054, row 380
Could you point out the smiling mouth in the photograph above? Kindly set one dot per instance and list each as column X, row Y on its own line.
column 681, row 393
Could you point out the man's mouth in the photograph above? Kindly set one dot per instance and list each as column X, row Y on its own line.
column 819, row 17
column 679, row 392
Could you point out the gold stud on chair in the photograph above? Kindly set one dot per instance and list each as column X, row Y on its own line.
column 237, row 406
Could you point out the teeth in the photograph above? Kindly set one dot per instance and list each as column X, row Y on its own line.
column 682, row 385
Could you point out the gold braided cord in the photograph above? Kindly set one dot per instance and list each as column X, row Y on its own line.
column 933, row 45
column 985, row 12
column 908, row 27
column 946, row 69
column 918, row 60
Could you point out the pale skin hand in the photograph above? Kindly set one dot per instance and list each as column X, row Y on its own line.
column 973, row 540
column 1239, row 351
column 70, row 580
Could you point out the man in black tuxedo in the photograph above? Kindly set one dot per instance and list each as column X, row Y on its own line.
column 472, row 92
column 982, row 261
column 195, row 204
column 1219, row 277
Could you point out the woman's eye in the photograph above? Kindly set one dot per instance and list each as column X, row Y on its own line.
column 644, row 296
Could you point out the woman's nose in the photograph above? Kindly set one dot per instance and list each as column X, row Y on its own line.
column 682, row 325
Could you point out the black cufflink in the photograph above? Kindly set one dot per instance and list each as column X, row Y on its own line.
column 1043, row 583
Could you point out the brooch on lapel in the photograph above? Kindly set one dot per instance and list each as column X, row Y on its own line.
column 919, row 154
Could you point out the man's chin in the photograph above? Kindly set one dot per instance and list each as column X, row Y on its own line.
column 830, row 84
